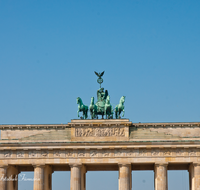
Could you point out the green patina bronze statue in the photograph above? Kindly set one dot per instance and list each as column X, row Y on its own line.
column 99, row 107
column 82, row 108
column 99, row 80
column 108, row 110
column 93, row 109
column 119, row 108
column 102, row 106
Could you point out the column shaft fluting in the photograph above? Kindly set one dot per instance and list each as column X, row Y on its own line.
column 197, row 176
column 194, row 176
column 75, row 181
column 12, row 175
column 38, row 177
column 125, row 176
column 160, row 175
column 48, row 177
column 3, row 175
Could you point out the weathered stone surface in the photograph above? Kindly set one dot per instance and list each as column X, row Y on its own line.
column 3, row 175
column 100, row 145
column 48, row 177
column 125, row 176
column 38, row 177
column 160, row 176
column 36, row 134
column 12, row 175
column 75, row 182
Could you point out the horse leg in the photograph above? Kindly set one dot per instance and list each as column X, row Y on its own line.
column 93, row 116
column 120, row 112
column 116, row 113
column 78, row 113
column 86, row 113
column 123, row 113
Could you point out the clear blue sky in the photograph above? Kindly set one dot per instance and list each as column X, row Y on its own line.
column 50, row 49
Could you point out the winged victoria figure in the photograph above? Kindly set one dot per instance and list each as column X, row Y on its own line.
column 99, row 80
column 99, row 74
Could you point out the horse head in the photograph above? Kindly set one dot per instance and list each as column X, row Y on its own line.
column 78, row 100
column 122, row 99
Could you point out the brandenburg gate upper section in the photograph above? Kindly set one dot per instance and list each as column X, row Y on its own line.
column 103, row 144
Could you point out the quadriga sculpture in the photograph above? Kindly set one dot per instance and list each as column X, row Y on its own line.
column 119, row 108
column 82, row 108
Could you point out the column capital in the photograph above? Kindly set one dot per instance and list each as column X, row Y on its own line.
column 124, row 164
column 161, row 163
column 4, row 166
column 75, row 165
column 38, row 165
column 15, row 167
column 196, row 163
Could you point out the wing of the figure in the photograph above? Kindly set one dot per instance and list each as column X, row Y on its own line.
column 96, row 73
column 102, row 74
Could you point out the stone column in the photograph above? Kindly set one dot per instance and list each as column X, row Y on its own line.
column 12, row 175
column 75, row 181
column 160, row 176
column 125, row 177
column 191, row 175
column 48, row 177
column 194, row 172
column 3, row 174
column 38, row 177
column 83, row 177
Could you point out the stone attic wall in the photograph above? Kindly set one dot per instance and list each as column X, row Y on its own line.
column 102, row 130
column 165, row 131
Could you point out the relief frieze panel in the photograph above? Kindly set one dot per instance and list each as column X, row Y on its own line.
column 180, row 152
column 155, row 152
column 20, row 154
column 142, row 152
column 32, row 154
column 103, row 153
column 93, row 153
column 100, row 132
column 192, row 152
column 7, row 154
column 59, row 153
column 118, row 153
column 81, row 153
column 44, row 154
column 168, row 152
column 69, row 153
